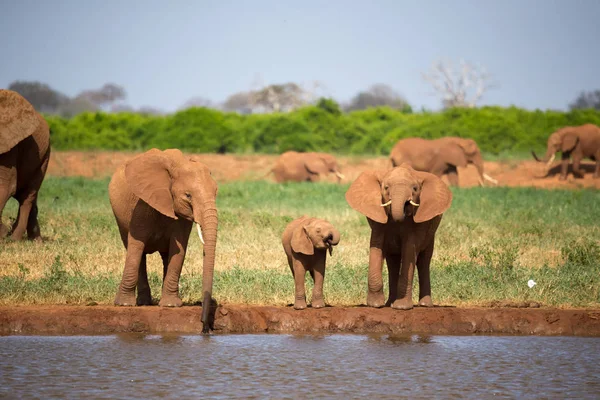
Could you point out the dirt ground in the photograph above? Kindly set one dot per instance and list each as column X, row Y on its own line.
column 95, row 320
column 228, row 167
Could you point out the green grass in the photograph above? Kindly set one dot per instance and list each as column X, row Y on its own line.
column 489, row 244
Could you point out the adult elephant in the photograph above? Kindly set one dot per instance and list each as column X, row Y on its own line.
column 440, row 156
column 24, row 156
column 404, row 208
column 156, row 197
column 573, row 141
column 299, row 167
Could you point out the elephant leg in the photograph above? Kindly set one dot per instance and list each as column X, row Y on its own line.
column 20, row 225
column 313, row 178
column 407, row 271
column 393, row 264
column 577, row 171
column 144, row 297
column 423, row 261
column 375, row 296
column 299, row 289
column 33, row 226
column 564, row 166
column 126, row 292
column 452, row 174
column 318, row 275
column 165, row 260
column 170, row 289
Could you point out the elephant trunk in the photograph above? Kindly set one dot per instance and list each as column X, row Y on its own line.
column 209, row 224
column 478, row 162
column 399, row 199
column 548, row 158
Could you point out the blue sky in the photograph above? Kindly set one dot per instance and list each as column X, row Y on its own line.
column 542, row 53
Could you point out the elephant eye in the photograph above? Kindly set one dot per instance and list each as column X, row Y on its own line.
column 386, row 187
column 188, row 195
column 415, row 188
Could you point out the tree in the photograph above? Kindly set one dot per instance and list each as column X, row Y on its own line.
column 76, row 106
column 197, row 101
column 283, row 96
column 377, row 95
column 456, row 85
column 41, row 96
column 586, row 100
column 105, row 96
column 239, row 102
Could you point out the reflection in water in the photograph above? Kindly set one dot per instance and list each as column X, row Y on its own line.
column 298, row 366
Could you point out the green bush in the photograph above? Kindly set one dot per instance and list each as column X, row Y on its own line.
column 322, row 127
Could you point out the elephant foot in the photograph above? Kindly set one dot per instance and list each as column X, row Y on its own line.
column 403, row 304
column 375, row 299
column 426, row 302
column 144, row 300
column 318, row 303
column 170, row 301
column 125, row 299
column 4, row 230
column 300, row 304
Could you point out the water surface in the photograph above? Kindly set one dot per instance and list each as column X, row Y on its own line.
column 298, row 366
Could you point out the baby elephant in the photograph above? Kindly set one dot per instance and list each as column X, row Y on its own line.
column 305, row 241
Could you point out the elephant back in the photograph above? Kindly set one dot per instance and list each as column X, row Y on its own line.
column 18, row 119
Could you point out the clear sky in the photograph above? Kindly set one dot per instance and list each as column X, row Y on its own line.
column 542, row 53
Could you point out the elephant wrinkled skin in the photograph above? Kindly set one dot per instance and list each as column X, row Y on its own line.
column 440, row 156
column 24, row 156
column 404, row 208
column 306, row 241
column 573, row 141
column 156, row 197
column 300, row 167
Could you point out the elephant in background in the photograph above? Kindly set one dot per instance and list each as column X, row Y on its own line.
column 24, row 156
column 156, row 197
column 298, row 167
column 404, row 208
column 306, row 241
column 440, row 156
column 573, row 141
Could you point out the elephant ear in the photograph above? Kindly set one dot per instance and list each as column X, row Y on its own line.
column 301, row 242
column 315, row 165
column 454, row 154
column 149, row 178
column 435, row 198
column 364, row 195
column 569, row 141
column 18, row 119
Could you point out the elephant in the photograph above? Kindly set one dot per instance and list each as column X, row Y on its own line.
column 440, row 156
column 404, row 208
column 306, row 241
column 24, row 157
column 577, row 141
column 298, row 167
column 156, row 197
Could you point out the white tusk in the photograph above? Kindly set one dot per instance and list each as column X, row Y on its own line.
column 413, row 203
column 489, row 178
column 550, row 161
column 480, row 181
column 339, row 175
column 386, row 204
column 200, row 233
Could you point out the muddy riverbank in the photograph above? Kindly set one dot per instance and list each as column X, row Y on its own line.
column 95, row 320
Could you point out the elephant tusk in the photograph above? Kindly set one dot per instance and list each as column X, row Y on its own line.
column 339, row 175
column 386, row 204
column 489, row 178
column 413, row 203
column 200, row 232
column 550, row 161
column 480, row 181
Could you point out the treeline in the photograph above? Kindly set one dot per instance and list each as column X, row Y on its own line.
column 321, row 127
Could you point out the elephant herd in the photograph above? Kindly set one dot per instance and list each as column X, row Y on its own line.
column 157, row 196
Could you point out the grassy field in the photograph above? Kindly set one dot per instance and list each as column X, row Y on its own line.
column 489, row 244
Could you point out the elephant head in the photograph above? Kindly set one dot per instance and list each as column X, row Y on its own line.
column 461, row 152
column 399, row 193
column 18, row 119
column 322, row 163
column 563, row 140
column 314, row 234
column 180, row 187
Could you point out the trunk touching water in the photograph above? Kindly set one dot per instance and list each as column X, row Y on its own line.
column 209, row 226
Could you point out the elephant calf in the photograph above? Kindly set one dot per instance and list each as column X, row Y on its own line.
column 293, row 166
column 306, row 241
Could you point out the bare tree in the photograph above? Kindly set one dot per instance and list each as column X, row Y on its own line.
column 240, row 102
column 378, row 94
column 105, row 96
column 284, row 97
column 586, row 100
column 198, row 101
column 76, row 106
column 459, row 87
